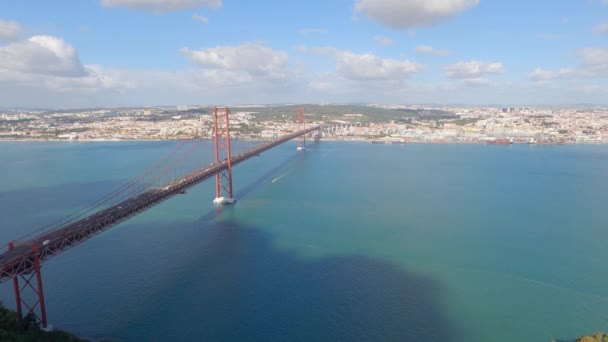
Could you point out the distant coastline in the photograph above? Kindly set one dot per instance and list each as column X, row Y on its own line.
column 412, row 124
column 333, row 139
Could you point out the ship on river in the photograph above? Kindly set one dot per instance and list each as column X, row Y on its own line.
column 389, row 142
column 501, row 141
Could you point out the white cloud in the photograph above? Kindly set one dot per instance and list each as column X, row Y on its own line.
column 253, row 58
column 324, row 50
column 403, row 14
column 473, row 69
column 301, row 48
column 429, row 50
column 45, row 70
column 540, row 74
column 382, row 40
column 593, row 64
column 126, row 87
column 601, row 29
column 368, row 66
column 98, row 87
column 318, row 50
column 9, row 30
column 200, row 18
column 595, row 60
column 161, row 6
column 480, row 82
column 96, row 78
column 372, row 67
column 46, row 55
column 306, row 31
column 117, row 87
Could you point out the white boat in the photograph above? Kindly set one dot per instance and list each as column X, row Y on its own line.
column 301, row 148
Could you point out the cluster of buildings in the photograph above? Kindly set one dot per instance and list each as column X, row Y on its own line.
column 486, row 125
column 456, row 125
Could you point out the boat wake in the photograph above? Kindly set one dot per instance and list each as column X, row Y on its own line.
column 276, row 179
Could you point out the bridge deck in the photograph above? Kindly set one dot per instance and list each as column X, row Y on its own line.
column 20, row 260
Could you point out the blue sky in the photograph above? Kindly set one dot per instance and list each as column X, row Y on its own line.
column 181, row 52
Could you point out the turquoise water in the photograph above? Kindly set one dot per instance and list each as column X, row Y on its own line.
column 347, row 241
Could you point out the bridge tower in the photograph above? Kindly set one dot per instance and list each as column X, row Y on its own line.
column 223, row 179
column 33, row 300
column 301, row 117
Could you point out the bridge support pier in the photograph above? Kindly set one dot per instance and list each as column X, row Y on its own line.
column 223, row 179
column 37, row 310
column 301, row 116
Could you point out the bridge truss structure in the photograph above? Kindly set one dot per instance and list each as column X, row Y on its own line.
column 21, row 261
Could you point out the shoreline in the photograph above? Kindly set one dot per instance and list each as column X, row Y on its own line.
column 379, row 141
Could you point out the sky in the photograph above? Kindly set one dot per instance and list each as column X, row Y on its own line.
column 106, row 53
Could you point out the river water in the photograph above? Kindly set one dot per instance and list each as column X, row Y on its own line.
column 343, row 242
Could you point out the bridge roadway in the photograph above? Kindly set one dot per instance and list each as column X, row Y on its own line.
column 20, row 260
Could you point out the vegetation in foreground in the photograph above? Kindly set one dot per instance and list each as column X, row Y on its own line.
column 28, row 331
column 13, row 330
column 597, row 337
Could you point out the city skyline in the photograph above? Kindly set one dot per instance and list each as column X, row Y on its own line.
column 159, row 52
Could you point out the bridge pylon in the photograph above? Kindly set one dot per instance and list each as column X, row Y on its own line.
column 223, row 179
column 301, row 118
column 33, row 301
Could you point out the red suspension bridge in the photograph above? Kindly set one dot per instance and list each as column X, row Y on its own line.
column 21, row 261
